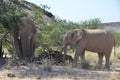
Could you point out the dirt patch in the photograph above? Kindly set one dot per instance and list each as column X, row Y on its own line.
column 33, row 71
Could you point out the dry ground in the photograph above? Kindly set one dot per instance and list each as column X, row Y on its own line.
column 32, row 71
column 47, row 71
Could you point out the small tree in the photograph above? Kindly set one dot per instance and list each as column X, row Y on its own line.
column 91, row 24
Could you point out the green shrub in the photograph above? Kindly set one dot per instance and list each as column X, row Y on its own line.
column 117, row 38
column 52, row 35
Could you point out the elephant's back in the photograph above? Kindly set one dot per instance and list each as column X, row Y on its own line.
column 99, row 33
column 99, row 37
column 96, row 31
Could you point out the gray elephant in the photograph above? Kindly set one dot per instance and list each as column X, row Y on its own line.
column 97, row 40
column 25, row 38
column 27, row 35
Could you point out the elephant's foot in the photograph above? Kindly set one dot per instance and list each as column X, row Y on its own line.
column 106, row 67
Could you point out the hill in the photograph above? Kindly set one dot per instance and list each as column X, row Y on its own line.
column 112, row 26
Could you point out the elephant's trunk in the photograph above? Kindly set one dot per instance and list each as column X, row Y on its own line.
column 64, row 49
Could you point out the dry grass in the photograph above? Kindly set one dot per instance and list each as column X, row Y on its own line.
column 114, row 76
column 47, row 71
column 47, row 64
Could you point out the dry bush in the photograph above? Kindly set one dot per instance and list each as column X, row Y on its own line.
column 47, row 64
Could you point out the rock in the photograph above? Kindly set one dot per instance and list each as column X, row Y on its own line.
column 11, row 75
column 39, row 78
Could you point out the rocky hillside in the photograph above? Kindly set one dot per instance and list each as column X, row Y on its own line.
column 112, row 26
column 37, row 13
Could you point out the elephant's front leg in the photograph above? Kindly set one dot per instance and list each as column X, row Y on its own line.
column 82, row 56
column 77, row 54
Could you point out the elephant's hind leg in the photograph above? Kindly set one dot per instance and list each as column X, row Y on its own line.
column 100, row 55
column 107, row 63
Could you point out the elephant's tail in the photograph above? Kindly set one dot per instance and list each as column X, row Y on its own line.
column 114, row 48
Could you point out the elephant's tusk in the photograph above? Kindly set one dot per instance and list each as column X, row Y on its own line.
column 18, row 37
column 29, row 37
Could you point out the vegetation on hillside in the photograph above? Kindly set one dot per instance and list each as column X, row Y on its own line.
column 49, row 35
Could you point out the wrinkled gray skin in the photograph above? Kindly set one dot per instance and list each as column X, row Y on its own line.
column 97, row 40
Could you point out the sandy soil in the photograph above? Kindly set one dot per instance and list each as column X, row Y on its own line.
column 32, row 71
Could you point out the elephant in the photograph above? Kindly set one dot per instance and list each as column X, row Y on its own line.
column 27, row 35
column 94, row 40
column 25, row 38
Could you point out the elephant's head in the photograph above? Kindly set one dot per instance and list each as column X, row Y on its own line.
column 72, row 38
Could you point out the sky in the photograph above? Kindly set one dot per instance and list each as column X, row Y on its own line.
column 80, row 10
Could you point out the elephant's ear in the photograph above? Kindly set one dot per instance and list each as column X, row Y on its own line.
column 77, row 35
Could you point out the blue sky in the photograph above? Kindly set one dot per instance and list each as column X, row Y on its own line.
column 80, row 10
